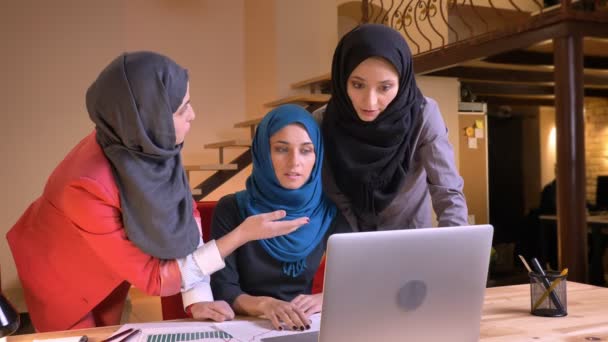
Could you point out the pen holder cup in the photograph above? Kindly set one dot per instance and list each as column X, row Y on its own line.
column 548, row 294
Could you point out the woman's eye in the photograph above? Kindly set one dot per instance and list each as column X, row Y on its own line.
column 387, row 87
column 307, row 151
column 357, row 85
column 280, row 149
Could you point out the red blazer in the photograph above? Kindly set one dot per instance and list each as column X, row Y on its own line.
column 70, row 246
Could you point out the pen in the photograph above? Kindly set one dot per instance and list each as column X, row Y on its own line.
column 122, row 333
column 550, row 289
column 543, row 276
column 132, row 333
column 523, row 260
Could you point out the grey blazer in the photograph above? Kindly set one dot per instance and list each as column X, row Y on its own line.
column 431, row 180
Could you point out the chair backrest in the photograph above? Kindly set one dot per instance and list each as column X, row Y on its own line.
column 172, row 306
column 317, row 281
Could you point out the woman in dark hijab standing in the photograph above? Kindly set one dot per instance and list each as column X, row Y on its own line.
column 118, row 211
column 387, row 149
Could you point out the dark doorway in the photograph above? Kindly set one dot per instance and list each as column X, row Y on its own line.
column 506, row 176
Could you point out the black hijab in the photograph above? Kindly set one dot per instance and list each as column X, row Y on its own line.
column 132, row 104
column 370, row 159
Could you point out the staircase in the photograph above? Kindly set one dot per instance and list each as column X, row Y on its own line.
column 466, row 50
column 226, row 170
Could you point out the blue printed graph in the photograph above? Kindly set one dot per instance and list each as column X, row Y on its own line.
column 191, row 336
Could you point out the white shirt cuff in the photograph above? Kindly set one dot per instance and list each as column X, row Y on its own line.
column 200, row 293
column 208, row 258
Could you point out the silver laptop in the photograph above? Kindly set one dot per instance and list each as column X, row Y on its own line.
column 404, row 285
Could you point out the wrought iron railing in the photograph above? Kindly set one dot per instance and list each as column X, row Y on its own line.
column 434, row 24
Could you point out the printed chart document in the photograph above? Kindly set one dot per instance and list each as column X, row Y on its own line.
column 250, row 330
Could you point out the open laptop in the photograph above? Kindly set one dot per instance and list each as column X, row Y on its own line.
column 403, row 285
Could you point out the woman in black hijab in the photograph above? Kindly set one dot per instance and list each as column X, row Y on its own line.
column 386, row 144
column 118, row 211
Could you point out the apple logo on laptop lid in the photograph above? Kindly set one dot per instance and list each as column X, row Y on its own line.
column 411, row 295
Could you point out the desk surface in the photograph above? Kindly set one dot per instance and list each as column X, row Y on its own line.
column 597, row 219
column 506, row 317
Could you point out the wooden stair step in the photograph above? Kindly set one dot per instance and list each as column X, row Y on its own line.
column 312, row 82
column 196, row 191
column 252, row 124
column 306, row 99
column 211, row 167
column 248, row 123
column 233, row 143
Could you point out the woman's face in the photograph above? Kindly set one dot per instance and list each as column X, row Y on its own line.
column 293, row 156
column 372, row 86
column 182, row 118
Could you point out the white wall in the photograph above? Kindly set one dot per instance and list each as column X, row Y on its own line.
column 306, row 38
column 53, row 50
column 261, row 56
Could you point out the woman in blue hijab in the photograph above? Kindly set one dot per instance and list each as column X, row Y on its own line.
column 273, row 277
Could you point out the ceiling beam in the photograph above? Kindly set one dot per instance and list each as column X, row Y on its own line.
column 493, row 100
column 516, row 76
column 523, row 57
column 480, row 89
column 491, row 44
column 489, row 75
column 549, row 26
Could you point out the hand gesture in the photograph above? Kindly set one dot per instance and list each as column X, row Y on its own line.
column 266, row 226
column 278, row 311
column 218, row 311
column 309, row 304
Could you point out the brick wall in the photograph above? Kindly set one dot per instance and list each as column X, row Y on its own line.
column 596, row 142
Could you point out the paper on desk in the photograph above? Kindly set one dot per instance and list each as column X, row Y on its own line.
column 60, row 339
column 259, row 329
column 240, row 330
column 188, row 331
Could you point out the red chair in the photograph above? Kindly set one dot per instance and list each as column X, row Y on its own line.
column 172, row 306
column 317, row 281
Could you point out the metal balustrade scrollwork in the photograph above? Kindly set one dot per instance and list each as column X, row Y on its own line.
column 433, row 24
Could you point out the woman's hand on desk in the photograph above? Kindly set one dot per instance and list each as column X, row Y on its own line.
column 218, row 311
column 309, row 304
column 279, row 312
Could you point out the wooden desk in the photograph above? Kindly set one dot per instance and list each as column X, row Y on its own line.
column 506, row 317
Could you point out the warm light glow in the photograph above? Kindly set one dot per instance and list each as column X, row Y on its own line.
column 604, row 133
column 551, row 143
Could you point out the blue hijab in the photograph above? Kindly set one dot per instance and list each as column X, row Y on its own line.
column 265, row 194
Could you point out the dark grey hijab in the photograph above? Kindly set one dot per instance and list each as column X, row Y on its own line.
column 132, row 104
